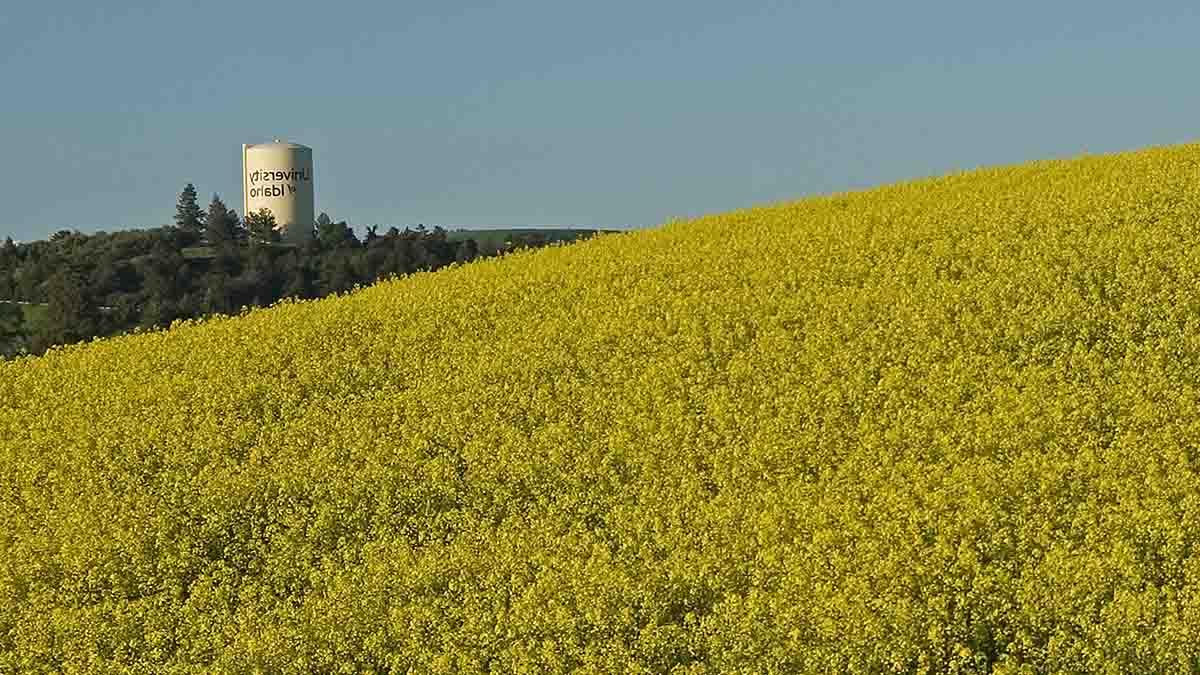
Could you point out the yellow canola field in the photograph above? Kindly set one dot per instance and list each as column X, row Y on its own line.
column 947, row 425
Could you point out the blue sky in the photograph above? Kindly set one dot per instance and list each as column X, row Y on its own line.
column 611, row 113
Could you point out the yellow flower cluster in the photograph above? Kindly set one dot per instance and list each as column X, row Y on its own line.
column 947, row 425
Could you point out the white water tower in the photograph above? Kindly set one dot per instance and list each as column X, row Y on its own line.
column 279, row 176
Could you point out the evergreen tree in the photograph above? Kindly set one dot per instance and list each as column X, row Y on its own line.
column 8, row 251
column 188, row 216
column 9, row 261
column 239, row 227
column 219, row 225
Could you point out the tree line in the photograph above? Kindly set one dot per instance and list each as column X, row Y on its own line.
column 76, row 286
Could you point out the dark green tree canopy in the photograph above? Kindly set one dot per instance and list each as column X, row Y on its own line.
column 221, row 224
column 11, row 318
column 8, row 251
column 261, row 226
column 71, row 312
column 75, row 286
column 188, row 216
column 336, row 235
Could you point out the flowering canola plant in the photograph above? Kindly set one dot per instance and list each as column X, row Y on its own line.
column 946, row 425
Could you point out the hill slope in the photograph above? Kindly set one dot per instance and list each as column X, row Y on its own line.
column 947, row 423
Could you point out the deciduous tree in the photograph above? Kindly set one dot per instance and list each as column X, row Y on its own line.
column 261, row 226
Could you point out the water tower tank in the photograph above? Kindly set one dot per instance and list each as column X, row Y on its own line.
column 279, row 176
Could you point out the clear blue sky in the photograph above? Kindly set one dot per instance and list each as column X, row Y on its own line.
column 612, row 113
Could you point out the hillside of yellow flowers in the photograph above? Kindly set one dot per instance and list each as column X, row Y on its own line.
column 951, row 424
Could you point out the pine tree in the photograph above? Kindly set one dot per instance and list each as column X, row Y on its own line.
column 9, row 257
column 188, row 216
column 220, row 223
column 239, row 227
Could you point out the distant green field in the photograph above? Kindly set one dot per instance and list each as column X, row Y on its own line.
column 198, row 252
